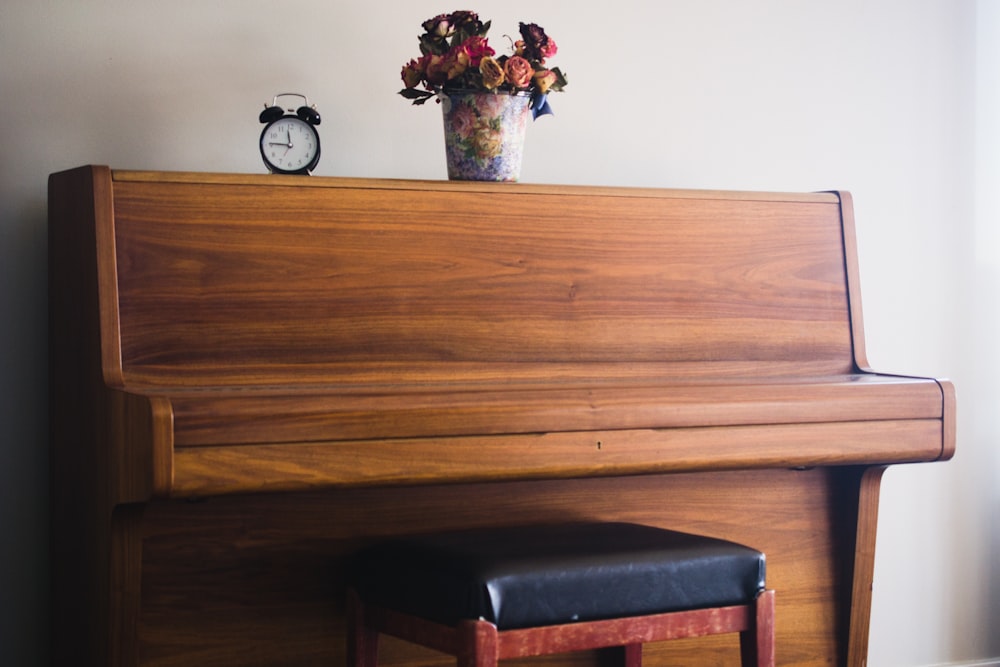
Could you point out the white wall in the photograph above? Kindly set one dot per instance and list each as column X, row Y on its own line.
column 984, row 317
column 878, row 97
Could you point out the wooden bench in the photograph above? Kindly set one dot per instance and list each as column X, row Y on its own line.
column 402, row 356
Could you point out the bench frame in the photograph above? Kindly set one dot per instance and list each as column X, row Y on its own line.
column 479, row 643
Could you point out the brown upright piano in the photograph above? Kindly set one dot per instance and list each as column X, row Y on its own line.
column 254, row 376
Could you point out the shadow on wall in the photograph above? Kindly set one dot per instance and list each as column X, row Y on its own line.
column 24, row 485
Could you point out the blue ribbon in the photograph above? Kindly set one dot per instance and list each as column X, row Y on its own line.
column 540, row 105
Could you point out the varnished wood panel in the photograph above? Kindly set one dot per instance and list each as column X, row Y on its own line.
column 202, row 471
column 303, row 414
column 220, row 276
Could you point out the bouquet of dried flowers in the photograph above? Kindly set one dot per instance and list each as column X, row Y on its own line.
column 455, row 55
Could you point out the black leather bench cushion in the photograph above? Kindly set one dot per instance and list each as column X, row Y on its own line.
column 526, row 576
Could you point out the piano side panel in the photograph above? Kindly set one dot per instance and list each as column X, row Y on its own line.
column 95, row 461
column 79, row 461
column 257, row 581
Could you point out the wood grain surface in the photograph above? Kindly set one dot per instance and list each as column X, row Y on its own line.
column 272, row 564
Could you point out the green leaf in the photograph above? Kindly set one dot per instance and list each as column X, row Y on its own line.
column 418, row 96
column 561, row 80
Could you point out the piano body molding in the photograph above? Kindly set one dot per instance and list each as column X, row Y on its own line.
column 253, row 376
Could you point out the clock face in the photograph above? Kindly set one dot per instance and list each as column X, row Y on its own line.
column 290, row 145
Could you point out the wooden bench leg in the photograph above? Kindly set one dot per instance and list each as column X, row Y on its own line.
column 623, row 655
column 478, row 645
column 362, row 641
column 633, row 655
column 757, row 643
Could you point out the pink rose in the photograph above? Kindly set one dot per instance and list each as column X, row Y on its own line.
column 549, row 49
column 518, row 72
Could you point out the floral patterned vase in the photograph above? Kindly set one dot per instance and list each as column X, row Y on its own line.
column 484, row 134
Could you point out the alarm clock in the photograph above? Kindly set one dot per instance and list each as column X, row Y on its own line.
column 289, row 143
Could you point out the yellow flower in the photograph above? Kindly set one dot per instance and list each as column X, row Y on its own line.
column 491, row 72
column 544, row 79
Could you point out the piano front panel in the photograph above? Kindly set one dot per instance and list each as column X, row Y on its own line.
column 216, row 277
column 254, row 580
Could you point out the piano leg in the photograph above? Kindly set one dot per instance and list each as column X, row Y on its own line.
column 96, row 580
column 125, row 585
column 864, row 566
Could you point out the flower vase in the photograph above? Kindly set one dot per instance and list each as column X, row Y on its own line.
column 484, row 134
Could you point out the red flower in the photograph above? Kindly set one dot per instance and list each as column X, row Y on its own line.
column 456, row 62
column 436, row 72
column 476, row 47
